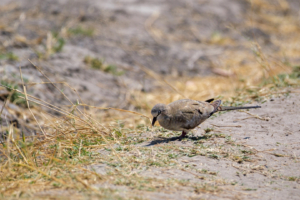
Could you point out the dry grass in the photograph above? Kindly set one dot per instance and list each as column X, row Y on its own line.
column 57, row 157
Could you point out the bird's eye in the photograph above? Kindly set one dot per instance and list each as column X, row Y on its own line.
column 159, row 112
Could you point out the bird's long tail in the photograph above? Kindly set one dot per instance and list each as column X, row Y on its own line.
column 217, row 105
column 223, row 108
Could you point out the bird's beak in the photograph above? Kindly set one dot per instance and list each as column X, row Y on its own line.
column 154, row 120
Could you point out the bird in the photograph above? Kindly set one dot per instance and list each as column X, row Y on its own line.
column 186, row 114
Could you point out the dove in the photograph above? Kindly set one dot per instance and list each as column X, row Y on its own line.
column 186, row 114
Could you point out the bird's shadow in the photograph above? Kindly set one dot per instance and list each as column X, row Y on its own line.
column 162, row 140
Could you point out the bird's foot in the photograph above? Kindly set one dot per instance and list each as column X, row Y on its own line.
column 183, row 135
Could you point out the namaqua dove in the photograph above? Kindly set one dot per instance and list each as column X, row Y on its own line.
column 186, row 114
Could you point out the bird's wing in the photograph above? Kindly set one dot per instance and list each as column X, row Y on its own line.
column 185, row 114
column 190, row 108
column 189, row 113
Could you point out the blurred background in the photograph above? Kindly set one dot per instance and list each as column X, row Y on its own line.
column 132, row 54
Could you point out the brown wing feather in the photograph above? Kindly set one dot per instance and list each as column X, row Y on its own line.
column 209, row 100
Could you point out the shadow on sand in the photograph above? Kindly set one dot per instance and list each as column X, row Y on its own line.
column 161, row 140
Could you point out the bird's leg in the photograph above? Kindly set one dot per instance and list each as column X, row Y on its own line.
column 182, row 135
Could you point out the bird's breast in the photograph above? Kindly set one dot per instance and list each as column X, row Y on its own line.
column 180, row 122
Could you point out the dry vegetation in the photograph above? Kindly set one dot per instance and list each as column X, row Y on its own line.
column 58, row 161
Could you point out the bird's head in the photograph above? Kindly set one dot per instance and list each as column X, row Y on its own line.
column 156, row 111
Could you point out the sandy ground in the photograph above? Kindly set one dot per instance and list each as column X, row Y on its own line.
column 272, row 170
